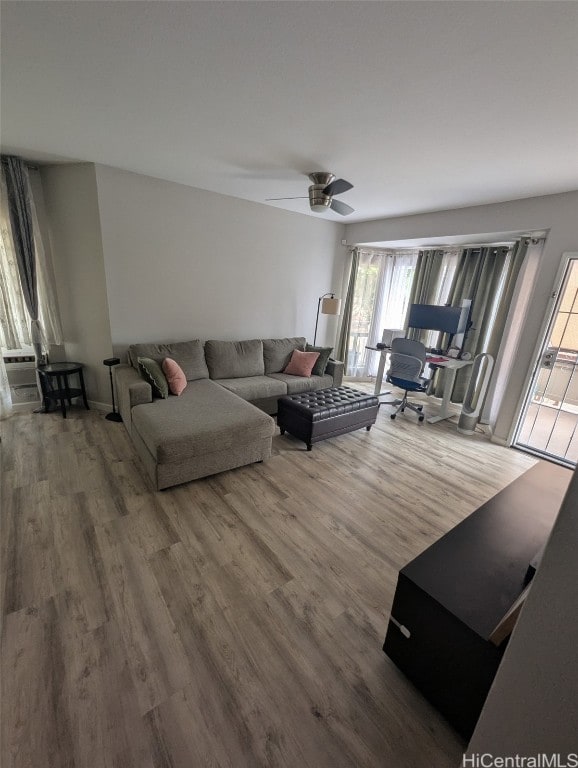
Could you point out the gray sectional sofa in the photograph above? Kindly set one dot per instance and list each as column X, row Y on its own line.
column 221, row 420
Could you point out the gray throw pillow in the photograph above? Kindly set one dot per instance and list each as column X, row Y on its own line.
column 189, row 355
column 322, row 360
column 234, row 359
column 277, row 352
column 151, row 372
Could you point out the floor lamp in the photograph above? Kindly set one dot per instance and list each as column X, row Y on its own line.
column 327, row 305
column 114, row 415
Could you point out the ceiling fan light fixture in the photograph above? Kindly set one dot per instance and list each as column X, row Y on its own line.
column 322, row 191
column 321, row 178
column 318, row 202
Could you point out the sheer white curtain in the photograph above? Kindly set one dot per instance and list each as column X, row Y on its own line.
column 5, row 399
column 446, row 276
column 48, row 304
column 14, row 321
column 15, row 330
column 367, row 280
column 14, row 318
column 392, row 300
column 382, row 291
column 442, row 288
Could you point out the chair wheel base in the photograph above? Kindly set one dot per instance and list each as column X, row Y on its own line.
column 393, row 416
column 421, row 418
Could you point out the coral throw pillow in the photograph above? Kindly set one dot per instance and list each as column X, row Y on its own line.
column 301, row 363
column 175, row 376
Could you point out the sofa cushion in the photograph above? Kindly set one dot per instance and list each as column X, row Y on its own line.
column 254, row 387
column 188, row 354
column 301, row 363
column 234, row 359
column 204, row 419
column 322, row 360
column 297, row 384
column 152, row 373
column 277, row 352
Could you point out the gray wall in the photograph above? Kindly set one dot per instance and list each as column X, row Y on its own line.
column 555, row 213
column 185, row 263
column 140, row 259
column 73, row 222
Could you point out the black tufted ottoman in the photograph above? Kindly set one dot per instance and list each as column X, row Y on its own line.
column 315, row 416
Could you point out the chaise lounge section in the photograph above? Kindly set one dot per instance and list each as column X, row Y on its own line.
column 204, row 431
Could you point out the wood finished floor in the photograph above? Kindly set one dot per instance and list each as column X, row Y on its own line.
column 233, row 621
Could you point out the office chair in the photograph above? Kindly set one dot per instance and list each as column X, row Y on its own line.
column 407, row 361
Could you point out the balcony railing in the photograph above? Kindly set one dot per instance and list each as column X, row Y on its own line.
column 356, row 352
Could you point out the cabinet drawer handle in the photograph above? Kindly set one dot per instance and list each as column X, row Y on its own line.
column 403, row 629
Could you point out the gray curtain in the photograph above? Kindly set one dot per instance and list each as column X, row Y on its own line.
column 423, row 287
column 18, row 198
column 343, row 339
column 511, row 277
column 481, row 274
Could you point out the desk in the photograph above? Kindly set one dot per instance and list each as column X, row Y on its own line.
column 452, row 366
column 63, row 390
column 449, row 363
column 383, row 352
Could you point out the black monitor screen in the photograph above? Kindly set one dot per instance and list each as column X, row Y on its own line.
column 433, row 317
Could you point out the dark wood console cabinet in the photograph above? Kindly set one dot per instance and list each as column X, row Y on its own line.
column 451, row 597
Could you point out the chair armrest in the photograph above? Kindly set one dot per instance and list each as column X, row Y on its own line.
column 131, row 390
column 335, row 369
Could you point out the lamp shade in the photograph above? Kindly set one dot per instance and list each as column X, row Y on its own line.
column 330, row 306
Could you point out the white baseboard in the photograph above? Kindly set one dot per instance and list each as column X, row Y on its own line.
column 104, row 407
column 500, row 441
column 31, row 405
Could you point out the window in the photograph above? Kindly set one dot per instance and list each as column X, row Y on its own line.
column 14, row 318
column 382, row 290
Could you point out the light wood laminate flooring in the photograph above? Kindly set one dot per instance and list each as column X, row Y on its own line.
column 232, row 621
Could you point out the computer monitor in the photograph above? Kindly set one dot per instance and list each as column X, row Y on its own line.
column 433, row 317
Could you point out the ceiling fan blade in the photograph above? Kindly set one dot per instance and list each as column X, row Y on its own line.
column 342, row 208
column 302, row 197
column 337, row 187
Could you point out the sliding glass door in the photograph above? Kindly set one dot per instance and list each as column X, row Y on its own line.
column 549, row 422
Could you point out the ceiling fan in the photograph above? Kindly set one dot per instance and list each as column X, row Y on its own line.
column 322, row 191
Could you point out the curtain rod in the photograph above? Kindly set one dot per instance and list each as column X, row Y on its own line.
column 503, row 244
column 31, row 166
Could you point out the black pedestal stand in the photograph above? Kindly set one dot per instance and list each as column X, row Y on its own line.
column 114, row 415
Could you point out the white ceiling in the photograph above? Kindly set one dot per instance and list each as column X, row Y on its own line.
column 421, row 105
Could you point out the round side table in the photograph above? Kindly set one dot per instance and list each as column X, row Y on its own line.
column 55, row 385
